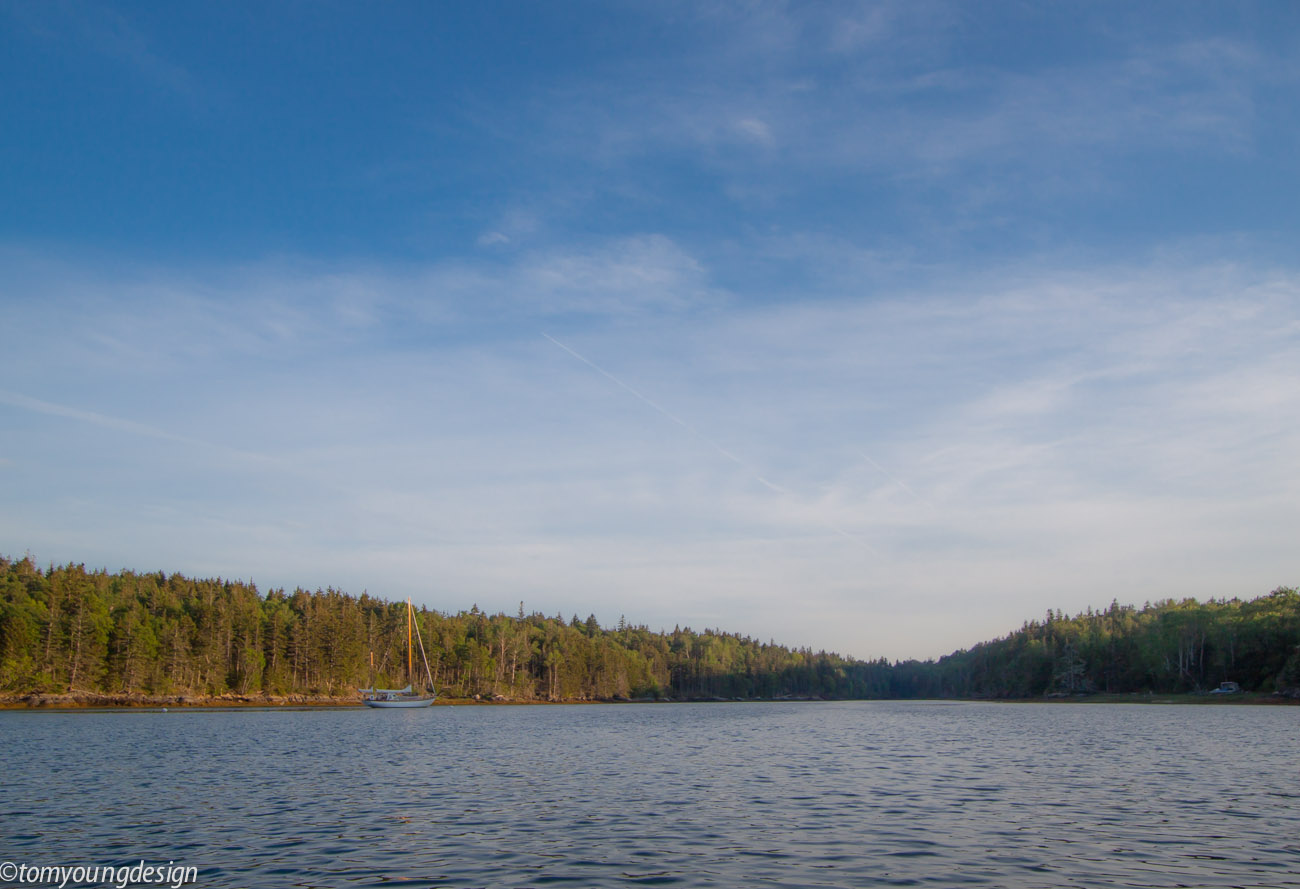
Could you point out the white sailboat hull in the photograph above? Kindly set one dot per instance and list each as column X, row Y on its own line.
column 400, row 702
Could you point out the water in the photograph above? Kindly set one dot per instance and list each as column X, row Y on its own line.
column 831, row 794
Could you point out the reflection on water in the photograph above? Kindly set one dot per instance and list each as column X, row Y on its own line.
column 842, row 794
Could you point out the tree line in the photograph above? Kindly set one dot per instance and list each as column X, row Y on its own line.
column 64, row 628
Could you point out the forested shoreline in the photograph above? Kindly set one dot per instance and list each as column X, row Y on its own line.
column 66, row 629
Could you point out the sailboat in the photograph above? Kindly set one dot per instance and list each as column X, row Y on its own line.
column 403, row 697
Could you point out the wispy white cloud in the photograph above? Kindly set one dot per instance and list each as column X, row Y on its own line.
column 1122, row 432
column 630, row 275
column 911, row 102
column 755, row 129
column 113, row 36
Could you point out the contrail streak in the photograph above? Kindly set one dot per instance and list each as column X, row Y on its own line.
column 36, row 405
column 660, row 408
column 893, row 478
column 106, row 421
column 771, row 486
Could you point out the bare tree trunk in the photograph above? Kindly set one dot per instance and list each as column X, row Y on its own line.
column 76, row 656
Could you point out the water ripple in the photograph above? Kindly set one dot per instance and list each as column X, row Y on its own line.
column 816, row 795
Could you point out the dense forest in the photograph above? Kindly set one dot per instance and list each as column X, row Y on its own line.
column 66, row 629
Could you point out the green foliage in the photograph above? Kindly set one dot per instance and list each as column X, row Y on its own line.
column 1172, row 646
column 65, row 628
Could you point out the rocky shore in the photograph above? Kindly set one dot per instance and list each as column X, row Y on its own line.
column 79, row 699
column 89, row 699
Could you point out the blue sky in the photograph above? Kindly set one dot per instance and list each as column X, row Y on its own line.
column 873, row 327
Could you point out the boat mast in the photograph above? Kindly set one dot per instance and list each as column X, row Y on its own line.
column 410, row 675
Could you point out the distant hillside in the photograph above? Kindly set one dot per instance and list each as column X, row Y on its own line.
column 1171, row 646
column 66, row 628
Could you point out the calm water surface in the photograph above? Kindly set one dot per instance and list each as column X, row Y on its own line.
column 828, row 794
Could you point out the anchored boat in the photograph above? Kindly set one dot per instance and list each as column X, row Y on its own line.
column 403, row 697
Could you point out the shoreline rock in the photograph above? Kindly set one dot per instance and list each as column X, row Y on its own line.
column 73, row 700
column 76, row 700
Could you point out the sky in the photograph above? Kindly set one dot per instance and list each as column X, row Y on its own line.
column 878, row 328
